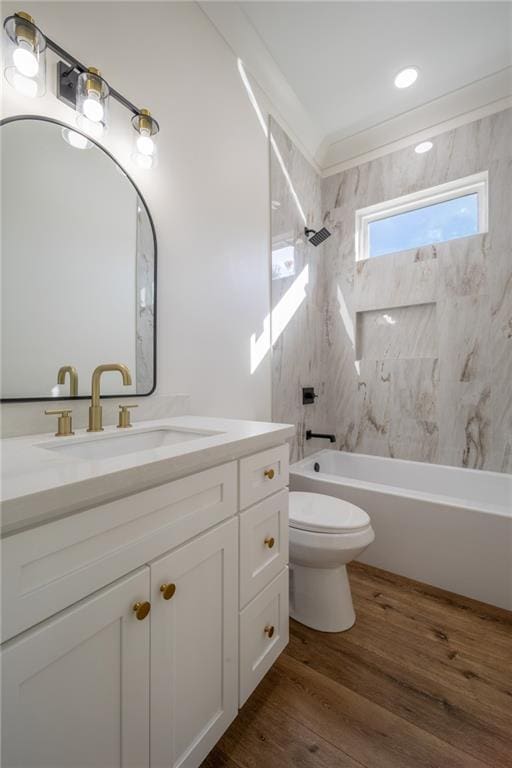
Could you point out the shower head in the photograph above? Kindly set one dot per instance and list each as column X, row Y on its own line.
column 317, row 237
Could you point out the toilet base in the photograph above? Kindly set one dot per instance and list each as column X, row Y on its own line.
column 321, row 599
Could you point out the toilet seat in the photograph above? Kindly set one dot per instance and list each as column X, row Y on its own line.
column 318, row 513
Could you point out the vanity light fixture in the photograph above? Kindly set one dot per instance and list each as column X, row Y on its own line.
column 146, row 128
column 425, row 146
column 406, row 77
column 92, row 95
column 25, row 67
column 80, row 87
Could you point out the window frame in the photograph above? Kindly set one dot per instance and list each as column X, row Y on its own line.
column 468, row 185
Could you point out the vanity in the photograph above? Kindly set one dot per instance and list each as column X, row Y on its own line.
column 144, row 589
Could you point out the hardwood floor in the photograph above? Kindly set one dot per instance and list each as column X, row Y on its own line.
column 423, row 679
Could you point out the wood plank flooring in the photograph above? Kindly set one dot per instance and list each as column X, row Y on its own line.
column 423, row 680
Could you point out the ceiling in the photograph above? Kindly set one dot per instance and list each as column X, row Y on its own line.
column 329, row 66
column 340, row 58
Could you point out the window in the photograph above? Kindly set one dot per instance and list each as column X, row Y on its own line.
column 435, row 215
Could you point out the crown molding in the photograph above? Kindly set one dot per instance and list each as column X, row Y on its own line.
column 472, row 102
column 416, row 138
column 337, row 152
column 238, row 32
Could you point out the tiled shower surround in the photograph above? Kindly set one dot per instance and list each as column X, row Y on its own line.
column 411, row 353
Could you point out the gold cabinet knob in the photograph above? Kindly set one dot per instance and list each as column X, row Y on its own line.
column 269, row 630
column 168, row 591
column 269, row 473
column 270, row 541
column 141, row 610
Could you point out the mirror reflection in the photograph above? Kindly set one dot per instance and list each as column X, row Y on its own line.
column 78, row 266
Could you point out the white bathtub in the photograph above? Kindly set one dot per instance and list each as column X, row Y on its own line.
column 445, row 526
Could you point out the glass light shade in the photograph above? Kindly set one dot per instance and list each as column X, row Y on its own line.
column 25, row 59
column 75, row 139
column 145, row 148
column 92, row 100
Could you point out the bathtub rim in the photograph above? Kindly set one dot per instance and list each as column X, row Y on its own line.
column 298, row 469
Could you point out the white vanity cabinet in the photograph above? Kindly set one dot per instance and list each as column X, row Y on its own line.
column 89, row 682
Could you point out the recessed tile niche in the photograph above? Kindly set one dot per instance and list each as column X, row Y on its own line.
column 399, row 332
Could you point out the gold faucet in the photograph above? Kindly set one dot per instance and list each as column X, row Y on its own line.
column 95, row 409
column 73, row 379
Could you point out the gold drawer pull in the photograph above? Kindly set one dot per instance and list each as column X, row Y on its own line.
column 168, row 591
column 269, row 473
column 141, row 610
column 269, row 541
column 269, row 630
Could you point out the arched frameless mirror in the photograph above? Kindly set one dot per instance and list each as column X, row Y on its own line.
column 78, row 265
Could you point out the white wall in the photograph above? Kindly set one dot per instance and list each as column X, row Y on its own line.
column 208, row 196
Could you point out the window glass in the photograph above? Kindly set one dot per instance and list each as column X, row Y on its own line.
column 429, row 224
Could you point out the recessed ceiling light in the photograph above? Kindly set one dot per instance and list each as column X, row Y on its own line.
column 425, row 146
column 406, row 77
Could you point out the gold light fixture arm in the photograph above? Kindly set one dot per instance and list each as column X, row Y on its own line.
column 95, row 409
column 73, row 379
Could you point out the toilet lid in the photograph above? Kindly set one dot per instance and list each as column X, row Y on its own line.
column 325, row 514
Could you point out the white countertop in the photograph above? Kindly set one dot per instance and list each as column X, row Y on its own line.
column 39, row 485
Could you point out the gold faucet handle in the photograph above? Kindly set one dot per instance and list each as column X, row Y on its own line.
column 124, row 415
column 64, row 423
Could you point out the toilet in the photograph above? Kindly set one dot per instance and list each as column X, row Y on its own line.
column 326, row 533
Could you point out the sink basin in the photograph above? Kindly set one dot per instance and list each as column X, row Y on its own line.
column 107, row 446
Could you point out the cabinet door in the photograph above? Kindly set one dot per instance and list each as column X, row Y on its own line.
column 75, row 690
column 194, row 659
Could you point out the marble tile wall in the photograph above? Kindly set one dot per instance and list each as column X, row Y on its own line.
column 443, row 393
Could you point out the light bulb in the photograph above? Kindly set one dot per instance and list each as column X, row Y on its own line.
column 24, row 85
column 145, row 145
column 76, row 140
column 93, row 108
column 406, row 77
column 25, row 60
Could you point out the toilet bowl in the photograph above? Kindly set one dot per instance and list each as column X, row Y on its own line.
column 326, row 533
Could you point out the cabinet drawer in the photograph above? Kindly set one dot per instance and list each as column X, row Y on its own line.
column 48, row 568
column 263, row 544
column 263, row 633
column 263, row 474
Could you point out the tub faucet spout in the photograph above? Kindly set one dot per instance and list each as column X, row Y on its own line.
column 310, row 434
